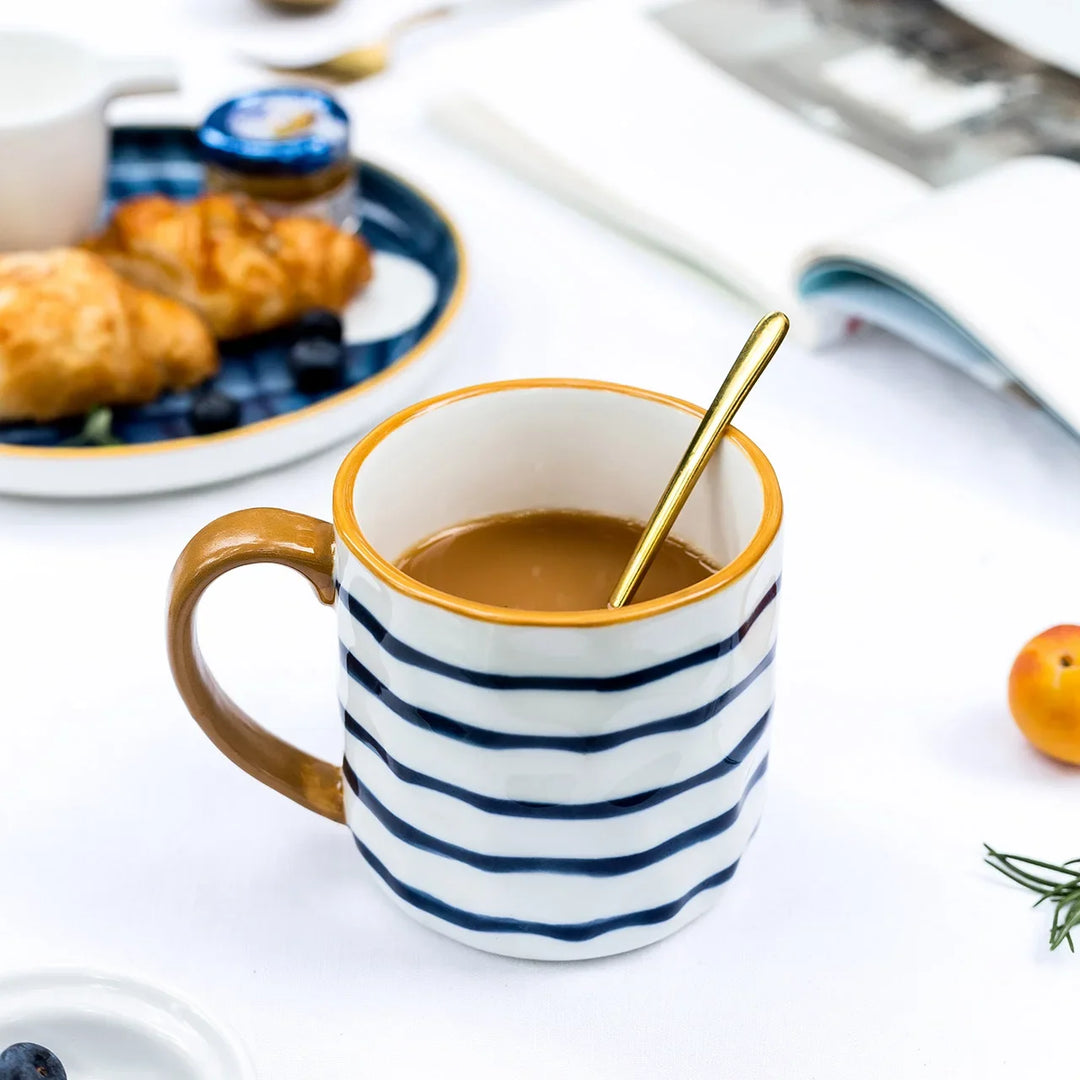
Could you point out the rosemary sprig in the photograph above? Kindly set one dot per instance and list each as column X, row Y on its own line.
column 1061, row 888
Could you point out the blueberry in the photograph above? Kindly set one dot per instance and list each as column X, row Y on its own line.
column 317, row 365
column 213, row 411
column 28, row 1061
column 319, row 323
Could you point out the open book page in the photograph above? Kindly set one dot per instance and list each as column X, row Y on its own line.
column 1047, row 29
column 983, row 272
column 609, row 110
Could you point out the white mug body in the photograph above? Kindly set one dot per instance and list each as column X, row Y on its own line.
column 546, row 784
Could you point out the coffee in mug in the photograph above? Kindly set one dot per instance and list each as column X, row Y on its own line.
column 548, row 560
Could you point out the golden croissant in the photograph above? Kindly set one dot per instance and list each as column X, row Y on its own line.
column 241, row 270
column 74, row 334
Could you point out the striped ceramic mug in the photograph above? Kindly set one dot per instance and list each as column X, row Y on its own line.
column 543, row 784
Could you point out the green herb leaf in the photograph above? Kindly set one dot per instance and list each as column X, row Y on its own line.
column 1061, row 887
column 96, row 430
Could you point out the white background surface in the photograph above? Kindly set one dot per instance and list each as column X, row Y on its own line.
column 931, row 529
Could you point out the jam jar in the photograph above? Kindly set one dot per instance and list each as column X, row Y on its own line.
column 287, row 148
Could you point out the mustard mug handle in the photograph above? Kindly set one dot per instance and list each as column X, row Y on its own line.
column 262, row 535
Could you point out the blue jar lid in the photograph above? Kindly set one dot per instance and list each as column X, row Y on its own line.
column 286, row 130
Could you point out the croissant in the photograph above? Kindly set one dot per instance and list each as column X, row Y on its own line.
column 241, row 270
column 74, row 334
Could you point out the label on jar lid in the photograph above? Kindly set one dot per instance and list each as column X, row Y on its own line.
column 285, row 116
column 287, row 129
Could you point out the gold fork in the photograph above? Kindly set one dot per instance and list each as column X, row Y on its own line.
column 371, row 59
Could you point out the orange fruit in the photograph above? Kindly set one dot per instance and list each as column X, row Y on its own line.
column 1044, row 692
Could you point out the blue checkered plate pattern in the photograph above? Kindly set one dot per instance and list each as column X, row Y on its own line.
column 396, row 219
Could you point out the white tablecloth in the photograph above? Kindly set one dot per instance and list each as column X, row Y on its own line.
column 931, row 528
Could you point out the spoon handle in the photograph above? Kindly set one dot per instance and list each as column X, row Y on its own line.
column 418, row 18
column 759, row 349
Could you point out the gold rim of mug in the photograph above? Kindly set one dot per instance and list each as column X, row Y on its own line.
column 348, row 529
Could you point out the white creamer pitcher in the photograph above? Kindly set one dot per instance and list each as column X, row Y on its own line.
column 54, row 140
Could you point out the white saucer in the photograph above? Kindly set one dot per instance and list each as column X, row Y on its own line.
column 105, row 1027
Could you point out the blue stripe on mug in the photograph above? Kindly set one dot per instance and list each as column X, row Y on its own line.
column 503, row 740
column 399, row 650
column 606, row 866
column 494, row 924
column 628, row 804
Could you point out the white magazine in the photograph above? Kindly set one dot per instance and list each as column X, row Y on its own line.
column 607, row 108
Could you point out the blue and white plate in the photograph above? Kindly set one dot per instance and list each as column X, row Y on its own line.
column 396, row 334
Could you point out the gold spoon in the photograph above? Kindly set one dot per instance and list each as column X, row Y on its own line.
column 752, row 360
column 366, row 60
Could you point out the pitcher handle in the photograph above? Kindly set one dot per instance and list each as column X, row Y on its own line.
column 140, row 75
